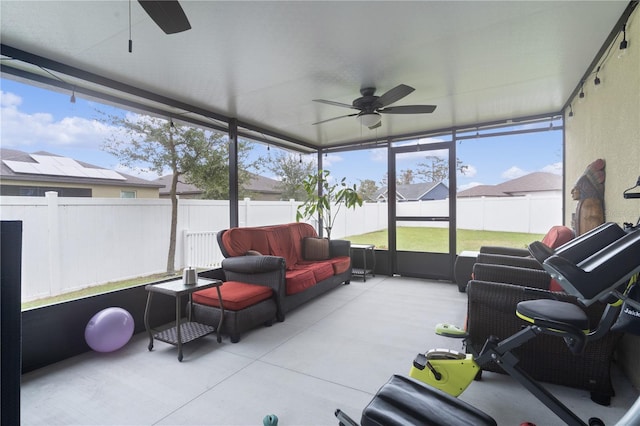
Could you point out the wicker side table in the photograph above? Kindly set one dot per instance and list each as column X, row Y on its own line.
column 182, row 332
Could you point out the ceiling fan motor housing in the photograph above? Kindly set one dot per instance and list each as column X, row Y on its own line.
column 367, row 103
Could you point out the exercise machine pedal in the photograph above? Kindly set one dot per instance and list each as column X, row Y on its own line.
column 450, row 330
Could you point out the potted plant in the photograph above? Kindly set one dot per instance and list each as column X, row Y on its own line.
column 322, row 197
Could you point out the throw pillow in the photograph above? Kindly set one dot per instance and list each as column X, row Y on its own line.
column 315, row 248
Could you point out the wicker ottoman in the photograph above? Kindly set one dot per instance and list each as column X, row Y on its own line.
column 245, row 307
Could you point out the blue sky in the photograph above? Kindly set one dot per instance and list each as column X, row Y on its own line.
column 35, row 119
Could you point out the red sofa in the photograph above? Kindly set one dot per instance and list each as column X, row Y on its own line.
column 288, row 259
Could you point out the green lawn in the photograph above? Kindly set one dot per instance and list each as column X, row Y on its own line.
column 90, row 291
column 437, row 239
column 409, row 238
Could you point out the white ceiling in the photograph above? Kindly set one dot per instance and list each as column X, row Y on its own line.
column 263, row 62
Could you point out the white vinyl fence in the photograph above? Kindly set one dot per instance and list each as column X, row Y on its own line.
column 74, row 243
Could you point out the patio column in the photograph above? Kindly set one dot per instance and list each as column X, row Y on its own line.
column 233, row 172
column 320, row 223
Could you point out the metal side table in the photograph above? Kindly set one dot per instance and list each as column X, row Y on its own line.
column 182, row 332
column 364, row 270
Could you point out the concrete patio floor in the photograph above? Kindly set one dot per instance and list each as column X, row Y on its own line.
column 334, row 352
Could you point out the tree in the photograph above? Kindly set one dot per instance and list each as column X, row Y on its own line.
column 406, row 177
column 437, row 170
column 211, row 174
column 292, row 171
column 385, row 179
column 156, row 145
column 367, row 189
column 320, row 205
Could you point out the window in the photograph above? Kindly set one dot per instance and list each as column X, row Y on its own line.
column 509, row 185
column 40, row 191
column 128, row 194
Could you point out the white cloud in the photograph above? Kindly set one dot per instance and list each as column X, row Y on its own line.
column 378, row 155
column 513, row 172
column 555, row 168
column 23, row 130
column 9, row 100
column 331, row 160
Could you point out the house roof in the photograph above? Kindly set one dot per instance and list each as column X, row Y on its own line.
column 261, row 64
column 532, row 182
column 263, row 184
column 181, row 189
column 410, row 192
column 258, row 183
column 47, row 167
column 482, row 191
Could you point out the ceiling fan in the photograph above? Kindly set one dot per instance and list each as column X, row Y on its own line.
column 168, row 15
column 371, row 106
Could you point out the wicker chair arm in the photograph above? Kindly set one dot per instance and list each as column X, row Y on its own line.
column 339, row 248
column 504, row 297
column 252, row 264
column 509, row 251
column 260, row 270
column 511, row 275
column 502, row 259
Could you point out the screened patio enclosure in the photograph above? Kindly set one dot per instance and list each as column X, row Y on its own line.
column 254, row 69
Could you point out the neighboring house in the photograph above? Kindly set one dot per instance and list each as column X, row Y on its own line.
column 25, row 174
column 423, row 191
column 538, row 183
column 184, row 190
column 260, row 188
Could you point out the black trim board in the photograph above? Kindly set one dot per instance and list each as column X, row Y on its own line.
column 10, row 329
column 54, row 333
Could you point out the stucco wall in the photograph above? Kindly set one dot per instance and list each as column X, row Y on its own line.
column 606, row 124
column 114, row 192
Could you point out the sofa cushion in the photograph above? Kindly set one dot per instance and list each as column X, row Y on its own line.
column 315, row 248
column 278, row 240
column 298, row 280
column 321, row 270
column 235, row 295
column 282, row 243
column 238, row 241
column 300, row 231
column 340, row 264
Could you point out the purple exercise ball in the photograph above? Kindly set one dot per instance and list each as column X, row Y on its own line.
column 109, row 330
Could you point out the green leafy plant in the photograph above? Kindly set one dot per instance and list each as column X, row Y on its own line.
column 324, row 204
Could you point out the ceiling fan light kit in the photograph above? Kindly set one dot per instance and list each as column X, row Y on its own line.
column 369, row 119
column 371, row 106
